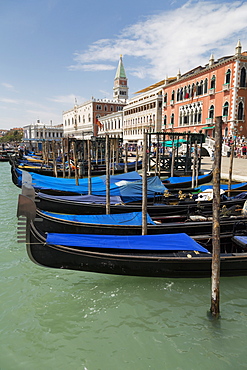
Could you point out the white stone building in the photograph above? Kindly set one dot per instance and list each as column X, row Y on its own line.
column 35, row 133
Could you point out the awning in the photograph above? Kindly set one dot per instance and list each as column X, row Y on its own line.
column 208, row 128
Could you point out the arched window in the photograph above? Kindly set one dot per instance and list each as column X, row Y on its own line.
column 72, row 120
column 173, row 94
column 228, row 76
column 200, row 88
column 213, row 82
column 211, row 112
column 181, row 93
column 193, row 89
column 243, row 77
column 200, row 115
column 79, row 118
column 225, row 109
column 240, row 111
column 89, row 118
column 165, row 98
column 172, row 119
column 186, row 92
column 205, row 86
column 197, row 89
column 178, row 94
column 196, row 116
column 165, row 120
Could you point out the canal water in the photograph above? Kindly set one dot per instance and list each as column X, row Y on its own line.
column 52, row 319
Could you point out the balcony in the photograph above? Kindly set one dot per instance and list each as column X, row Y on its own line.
column 172, row 102
column 209, row 121
column 224, row 119
column 226, row 87
column 212, row 91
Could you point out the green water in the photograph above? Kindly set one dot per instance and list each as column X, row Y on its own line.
column 57, row 319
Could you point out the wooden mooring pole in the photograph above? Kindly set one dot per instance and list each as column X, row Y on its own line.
column 215, row 278
column 107, row 162
column 144, row 185
column 89, row 177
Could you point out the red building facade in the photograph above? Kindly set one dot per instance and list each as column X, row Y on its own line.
column 192, row 101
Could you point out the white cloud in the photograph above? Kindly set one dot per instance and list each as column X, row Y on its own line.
column 9, row 101
column 67, row 99
column 92, row 67
column 181, row 38
column 8, row 86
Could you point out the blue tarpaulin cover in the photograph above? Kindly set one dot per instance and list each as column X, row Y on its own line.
column 127, row 185
column 222, row 186
column 178, row 179
column 133, row 218
column 90, row 199
column 162, row 242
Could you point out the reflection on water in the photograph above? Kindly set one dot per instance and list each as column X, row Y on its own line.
column 65, row 319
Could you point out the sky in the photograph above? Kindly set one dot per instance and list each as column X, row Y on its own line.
column 58, row 52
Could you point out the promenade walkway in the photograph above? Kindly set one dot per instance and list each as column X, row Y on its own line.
column 239, row 170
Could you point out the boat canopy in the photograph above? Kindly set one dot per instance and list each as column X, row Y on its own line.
column 161, row 242
column 125, row 219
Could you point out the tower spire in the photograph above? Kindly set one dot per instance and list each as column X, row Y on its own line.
column 120, row 89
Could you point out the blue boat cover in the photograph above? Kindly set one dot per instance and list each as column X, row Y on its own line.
column 178, row 179
column 240, row 240
column 127, row 185
column 222, row 186
column 125, row 219
column 90, row 199
column 161, row 242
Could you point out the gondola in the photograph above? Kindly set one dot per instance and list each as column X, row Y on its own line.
column 6, row 154
column 130, row 223
column 165, row 255
column 159, row 206
column 128, row 185
column 179, row 182
column 96, row 169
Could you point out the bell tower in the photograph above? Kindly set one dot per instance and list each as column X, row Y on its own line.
column 120, row 89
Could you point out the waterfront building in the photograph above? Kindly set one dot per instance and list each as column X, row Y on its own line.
column 192, row 101
column 83, row 121
column 35, row 133
column 143, row 113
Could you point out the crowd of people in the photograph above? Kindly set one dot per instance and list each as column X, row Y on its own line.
column 240, row 145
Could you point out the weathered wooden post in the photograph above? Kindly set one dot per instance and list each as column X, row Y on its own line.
column 63, row 156
column 136, row 163
column 230, row 169
column 54, row 161
column 89, row 167
column 69, row 164
column 113, row 156
column 144, row 185
column 117, row 153
column 193, row 169
column 215, row 279
column 197, row 163
column 108, row 208
column 126, row 158
column 173, row 157
column 75, row 162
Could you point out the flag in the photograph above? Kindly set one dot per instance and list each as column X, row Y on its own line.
column 98, row 123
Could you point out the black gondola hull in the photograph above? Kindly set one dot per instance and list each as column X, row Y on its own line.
column 132, row 264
